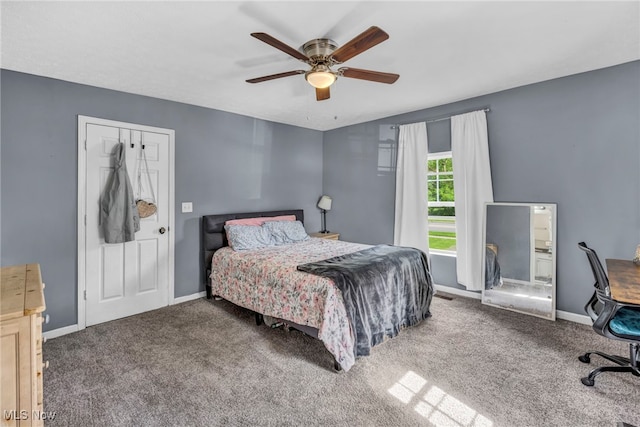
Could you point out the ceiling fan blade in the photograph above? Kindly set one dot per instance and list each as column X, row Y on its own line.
column 359, row 44
column 322, row 94
column 281, row 46
column 374, row 76
column 275, row 76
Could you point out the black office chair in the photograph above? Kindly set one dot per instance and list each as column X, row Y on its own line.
column 612, row 319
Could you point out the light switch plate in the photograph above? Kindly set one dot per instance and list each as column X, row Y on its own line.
column 187, row 207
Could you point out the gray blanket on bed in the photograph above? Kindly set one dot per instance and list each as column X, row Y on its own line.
column 384, row 289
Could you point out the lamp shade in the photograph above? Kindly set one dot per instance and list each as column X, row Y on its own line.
column 325, row 203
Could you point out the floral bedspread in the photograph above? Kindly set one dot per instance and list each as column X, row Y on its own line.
column 267, row 281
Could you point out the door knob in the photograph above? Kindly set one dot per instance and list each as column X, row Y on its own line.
column 162, row 230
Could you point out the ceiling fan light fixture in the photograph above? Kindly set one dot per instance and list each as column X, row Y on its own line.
column 320, row 77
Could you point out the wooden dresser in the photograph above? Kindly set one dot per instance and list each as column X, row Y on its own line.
column 21, row 307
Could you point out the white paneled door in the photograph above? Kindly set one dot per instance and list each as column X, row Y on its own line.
column 123, row 279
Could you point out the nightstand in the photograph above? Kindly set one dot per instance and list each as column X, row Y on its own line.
column 332, row 236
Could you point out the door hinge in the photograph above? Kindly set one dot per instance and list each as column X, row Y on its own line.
column 85, row 145
column 85, row 220
column 85, row 295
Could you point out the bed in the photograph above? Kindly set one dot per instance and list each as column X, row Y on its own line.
column 297, row 284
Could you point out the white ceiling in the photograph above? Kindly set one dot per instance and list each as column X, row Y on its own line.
column 201, row 53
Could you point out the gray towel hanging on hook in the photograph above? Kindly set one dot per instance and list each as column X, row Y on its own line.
column 118, row 213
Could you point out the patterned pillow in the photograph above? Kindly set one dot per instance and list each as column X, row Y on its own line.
column 283, row 232
column 247, row 237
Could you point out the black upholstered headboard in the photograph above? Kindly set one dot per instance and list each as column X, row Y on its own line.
column 214, row 237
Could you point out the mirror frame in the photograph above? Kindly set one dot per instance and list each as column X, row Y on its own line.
column 554, row 222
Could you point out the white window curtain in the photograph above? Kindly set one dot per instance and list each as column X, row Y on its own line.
column 473, row 188
column 411, row 228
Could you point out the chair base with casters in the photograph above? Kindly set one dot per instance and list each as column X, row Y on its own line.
column 612, row 319
column 631, row 364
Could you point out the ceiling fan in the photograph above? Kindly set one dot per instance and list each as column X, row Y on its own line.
column 322, row 54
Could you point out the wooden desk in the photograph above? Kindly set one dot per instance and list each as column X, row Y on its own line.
column 624, row 280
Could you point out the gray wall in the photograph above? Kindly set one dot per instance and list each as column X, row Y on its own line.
column 223, row 163
column 574, row 141
column 509, row 227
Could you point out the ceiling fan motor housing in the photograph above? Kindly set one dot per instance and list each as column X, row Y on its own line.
column 318, row 50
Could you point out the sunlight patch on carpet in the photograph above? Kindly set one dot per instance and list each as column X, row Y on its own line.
column 434, row 404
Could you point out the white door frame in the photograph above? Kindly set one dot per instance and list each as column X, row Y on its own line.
column 82, row 192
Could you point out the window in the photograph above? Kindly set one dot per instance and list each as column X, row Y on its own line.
column 442, row 211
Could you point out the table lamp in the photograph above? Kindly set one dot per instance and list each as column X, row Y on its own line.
column 325, row 205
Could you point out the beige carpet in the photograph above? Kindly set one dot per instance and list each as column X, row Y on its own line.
column 206, row 363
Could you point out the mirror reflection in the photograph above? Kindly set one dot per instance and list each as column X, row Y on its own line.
column 519, row 257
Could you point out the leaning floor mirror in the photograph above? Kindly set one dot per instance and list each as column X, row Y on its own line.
column 520, row 258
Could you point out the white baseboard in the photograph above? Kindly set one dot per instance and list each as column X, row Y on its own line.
column 55, row 333
column 456, row 291
column 573, row 317
column 189, row 297
column 74, row 328
column 564, row 315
